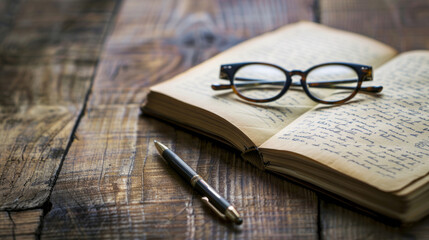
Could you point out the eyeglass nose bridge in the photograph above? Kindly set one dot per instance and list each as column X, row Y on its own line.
column 297, row 72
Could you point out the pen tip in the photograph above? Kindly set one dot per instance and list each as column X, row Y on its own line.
column 160, row 147
column 239, row 221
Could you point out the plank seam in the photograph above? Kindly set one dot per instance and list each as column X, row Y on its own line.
column 13, row 225
column 87, row 95
column 316, row 11
column 108, row 30
column 319, row 219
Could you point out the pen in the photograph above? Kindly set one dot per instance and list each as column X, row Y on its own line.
column 217, row 203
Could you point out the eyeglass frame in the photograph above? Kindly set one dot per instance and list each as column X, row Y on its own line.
column 364, row 72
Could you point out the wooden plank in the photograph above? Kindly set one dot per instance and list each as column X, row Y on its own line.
column 138, row 195
column 48, row 53
column 401, row 24
column 340, row 223
column 113, row 183
column 20, row 225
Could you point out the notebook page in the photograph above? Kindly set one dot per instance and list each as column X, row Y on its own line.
column 296, row 46
column 383, row 141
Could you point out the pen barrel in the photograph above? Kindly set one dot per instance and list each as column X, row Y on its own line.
column 179, row 165
column 196, row 181
column 218, row 201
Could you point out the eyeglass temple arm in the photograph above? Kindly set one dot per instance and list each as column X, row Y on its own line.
column 330, row 84
column 325, row 84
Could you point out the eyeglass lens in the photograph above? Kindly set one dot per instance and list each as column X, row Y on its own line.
column 327, row 83
column 257, row 81
column 332, row 82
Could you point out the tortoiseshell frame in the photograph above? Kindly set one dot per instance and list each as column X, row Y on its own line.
column 228, row 71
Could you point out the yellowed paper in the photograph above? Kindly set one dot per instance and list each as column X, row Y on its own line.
column 383, row 141
column 297, row 46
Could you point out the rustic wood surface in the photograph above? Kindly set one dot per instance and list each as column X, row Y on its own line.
column 77, row 158
column 20, row 225
column 402, row 24
column 48, row 56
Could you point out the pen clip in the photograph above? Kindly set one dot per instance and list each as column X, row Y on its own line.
column 207, row 202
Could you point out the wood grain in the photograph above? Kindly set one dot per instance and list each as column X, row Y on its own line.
column 341, row 223
column 402, row 24
column 48, row 54
column 20, row 225
column 114, row 184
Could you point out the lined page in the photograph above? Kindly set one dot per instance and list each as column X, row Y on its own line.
column 296, row 46
column 383, row 141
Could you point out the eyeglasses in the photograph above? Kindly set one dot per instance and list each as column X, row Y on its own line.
column 328, row 83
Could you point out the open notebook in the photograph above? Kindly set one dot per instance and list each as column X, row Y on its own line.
column 373, row 150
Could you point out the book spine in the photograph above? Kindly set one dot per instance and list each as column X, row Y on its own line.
column 254, row 156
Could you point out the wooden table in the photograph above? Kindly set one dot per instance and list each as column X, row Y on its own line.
column 76, row 155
